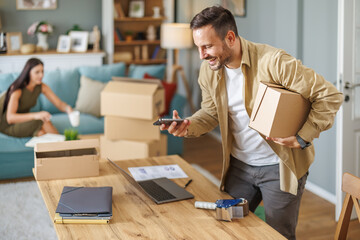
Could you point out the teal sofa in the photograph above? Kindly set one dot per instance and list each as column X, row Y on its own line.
column 17, row 161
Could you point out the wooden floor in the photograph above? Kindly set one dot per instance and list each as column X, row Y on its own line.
column 316, row 218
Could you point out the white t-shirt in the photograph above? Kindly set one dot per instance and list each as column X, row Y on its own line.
column 248, row 145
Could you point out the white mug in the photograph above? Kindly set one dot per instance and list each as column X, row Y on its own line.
column 74, row 118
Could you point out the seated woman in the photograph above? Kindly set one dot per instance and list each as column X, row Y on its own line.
column 15, row 117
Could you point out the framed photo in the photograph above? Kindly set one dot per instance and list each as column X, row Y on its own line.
column 79, row 41
column 237, row 7
column 136, row 9
column 13, row 41
column 36, row 4
column 64, row 44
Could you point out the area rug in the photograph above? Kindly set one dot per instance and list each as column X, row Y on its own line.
column 23, row 214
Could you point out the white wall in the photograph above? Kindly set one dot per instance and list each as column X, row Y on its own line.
column 307, row 30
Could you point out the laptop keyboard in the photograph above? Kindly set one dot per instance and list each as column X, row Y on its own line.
column 156, row 191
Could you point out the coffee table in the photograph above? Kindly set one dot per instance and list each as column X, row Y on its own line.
column 135, row 216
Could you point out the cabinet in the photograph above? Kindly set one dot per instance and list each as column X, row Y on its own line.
column 117, row 25
column 52, row 60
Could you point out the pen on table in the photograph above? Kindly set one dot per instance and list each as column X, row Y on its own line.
column 187, row 184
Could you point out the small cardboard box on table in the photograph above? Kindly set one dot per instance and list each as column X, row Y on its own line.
column 133, row 98
column 278, row 112
column 119, row 128
column 124, row 149
column 68, row 159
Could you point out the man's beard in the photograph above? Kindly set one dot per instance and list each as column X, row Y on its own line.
column 224, row 59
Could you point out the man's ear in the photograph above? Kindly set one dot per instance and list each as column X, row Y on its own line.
column 230, row 38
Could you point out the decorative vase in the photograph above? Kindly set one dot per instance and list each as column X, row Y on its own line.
column 42, row 41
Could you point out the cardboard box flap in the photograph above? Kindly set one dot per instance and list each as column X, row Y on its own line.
column 66, row 145
column 66, row 153
column 278, row 87
column 273, row 85
column 130, row 88
column 258, row 101
column 137, row 80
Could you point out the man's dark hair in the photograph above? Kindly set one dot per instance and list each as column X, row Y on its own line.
column 218, row 17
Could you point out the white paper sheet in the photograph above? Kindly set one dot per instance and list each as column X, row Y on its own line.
column 151, row 172
column 48, row 137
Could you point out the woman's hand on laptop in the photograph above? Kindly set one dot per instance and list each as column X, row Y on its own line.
column 174, row 128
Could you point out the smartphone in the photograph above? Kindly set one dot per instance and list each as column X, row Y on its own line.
column 167, row 121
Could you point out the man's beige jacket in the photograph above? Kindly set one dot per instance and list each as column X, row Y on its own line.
column 261, row 62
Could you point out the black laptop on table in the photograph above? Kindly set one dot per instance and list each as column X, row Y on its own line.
column 160, row 190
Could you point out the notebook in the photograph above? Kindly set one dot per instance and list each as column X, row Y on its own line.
column 85, row 203
column 160, row 190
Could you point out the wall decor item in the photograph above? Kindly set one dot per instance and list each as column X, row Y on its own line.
column 136, row 9
column 13, row 41
column 64, row 43
column 2, row 42
column 42, row 29
column 36, row 4
column 79, row 41
column 237, row 7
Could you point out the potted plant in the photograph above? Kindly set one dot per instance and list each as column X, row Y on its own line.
column 129, row 35
column 71, row 134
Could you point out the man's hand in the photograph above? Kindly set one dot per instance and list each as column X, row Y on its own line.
column 174, row 129
column 290, row 142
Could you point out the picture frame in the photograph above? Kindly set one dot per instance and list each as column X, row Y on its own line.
column 13, row 41
column 64, row 44
column 136, row 9
column 36, row 4
column 237, row 7
column 79, row 41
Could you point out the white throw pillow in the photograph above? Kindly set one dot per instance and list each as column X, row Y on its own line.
column 88, row 100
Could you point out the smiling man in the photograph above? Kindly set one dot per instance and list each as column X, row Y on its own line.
column 255, row 167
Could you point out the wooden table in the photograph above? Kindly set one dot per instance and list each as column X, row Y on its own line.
column 135, row 216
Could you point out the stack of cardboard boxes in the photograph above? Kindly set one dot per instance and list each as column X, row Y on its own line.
column 129, row 108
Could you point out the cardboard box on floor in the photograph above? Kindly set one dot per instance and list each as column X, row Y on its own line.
column 124, row 149
column 68, row 159
column 278, row 112
column 119, row 128
column 133, row 98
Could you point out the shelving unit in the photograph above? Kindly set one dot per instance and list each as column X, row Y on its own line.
column 138, row 50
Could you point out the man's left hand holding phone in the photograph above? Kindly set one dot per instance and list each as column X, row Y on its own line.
column 178, row 129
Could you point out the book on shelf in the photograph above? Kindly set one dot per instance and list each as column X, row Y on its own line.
column 119, row 10
column 161, row 54
column 116, row 38
column 119, row 34
column 155, row 53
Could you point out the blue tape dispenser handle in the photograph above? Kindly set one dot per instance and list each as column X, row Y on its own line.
column 226, row 203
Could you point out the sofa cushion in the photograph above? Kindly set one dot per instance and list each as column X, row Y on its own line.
column 13, row 144
column 88, row 100
column 88, row 123
column 6, row 79
column 105, row 72
column 138, row 71
column 65, row 84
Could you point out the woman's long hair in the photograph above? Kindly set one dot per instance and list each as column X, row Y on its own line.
column 23, row 80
